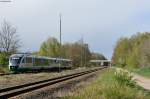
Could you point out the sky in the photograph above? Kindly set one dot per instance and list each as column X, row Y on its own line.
column 100, row 22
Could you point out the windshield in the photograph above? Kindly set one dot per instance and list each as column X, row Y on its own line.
column 15, row 61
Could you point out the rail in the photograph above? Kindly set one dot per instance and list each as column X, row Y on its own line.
column 20, row 89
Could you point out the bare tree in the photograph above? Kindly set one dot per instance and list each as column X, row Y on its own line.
column 9, row 41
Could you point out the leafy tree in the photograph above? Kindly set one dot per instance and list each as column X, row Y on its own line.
column 121, row 52
column 78, row 52
column 50, row 47
column 145, row 53
column 97, row 56
column 133, row 51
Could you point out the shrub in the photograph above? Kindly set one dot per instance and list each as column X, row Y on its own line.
column 4, row 59
column 123, row 77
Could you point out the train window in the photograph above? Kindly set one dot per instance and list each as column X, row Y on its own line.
column 28, row 59
column 23, row 61
column 42, row 62
column 50, row 62
column 46, row 62
column 56, row 61
column 36, row 62
column 15, row 60
column 106, row 63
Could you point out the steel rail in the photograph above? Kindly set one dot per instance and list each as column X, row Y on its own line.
column 3, row 74
column 20, row 89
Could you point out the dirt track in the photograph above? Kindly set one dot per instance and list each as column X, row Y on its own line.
column 142, row 81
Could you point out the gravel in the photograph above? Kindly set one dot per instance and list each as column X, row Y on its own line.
column 57, row 91
column 18, row 79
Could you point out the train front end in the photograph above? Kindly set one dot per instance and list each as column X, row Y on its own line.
column 14, row 61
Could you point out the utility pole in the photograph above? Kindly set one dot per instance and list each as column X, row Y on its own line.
column 82, row 51
column 85, row 48
column 60, row 40
column 60, row 28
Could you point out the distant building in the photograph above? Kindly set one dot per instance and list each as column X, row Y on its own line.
column 100, row 62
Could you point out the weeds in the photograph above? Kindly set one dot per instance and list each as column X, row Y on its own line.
column 123, row 77
column 4, row 69
column 113, row 84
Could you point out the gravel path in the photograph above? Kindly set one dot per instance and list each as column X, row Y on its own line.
column 142, row 81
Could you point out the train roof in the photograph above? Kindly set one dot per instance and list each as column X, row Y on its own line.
column 43, row 57
column 16, row 55
column 49, row 58
column 63, row 59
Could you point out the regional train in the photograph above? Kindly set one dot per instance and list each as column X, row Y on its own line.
column 23, row 62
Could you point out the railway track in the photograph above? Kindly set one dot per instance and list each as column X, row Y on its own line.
column 3, row 74
column 20, row 89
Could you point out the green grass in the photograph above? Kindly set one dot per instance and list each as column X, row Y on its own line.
column 110, row 86
column 143, row 71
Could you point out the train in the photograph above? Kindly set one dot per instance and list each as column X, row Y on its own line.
column 27, row 62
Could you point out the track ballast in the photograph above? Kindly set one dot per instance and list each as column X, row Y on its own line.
column 20, row 89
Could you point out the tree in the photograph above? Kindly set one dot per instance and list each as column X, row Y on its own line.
column 50, row 47
column 133, row 52
column 98, row 56
column 121, row 52
column 145, row 54
column 9, row 42
column 78, row 52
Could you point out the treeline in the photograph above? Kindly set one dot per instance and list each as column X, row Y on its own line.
column 78, row 52
column 133, row 52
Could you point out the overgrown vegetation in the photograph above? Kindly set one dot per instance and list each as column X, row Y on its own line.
column 111, row 85
column 133, row 52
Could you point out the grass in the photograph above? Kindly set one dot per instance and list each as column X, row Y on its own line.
column 4, row 69
column 145, row 71
column 111, row 85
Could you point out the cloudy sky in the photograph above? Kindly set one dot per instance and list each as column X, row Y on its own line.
column 100, row 22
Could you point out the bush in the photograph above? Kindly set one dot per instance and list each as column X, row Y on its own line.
column 123, row 77
column 4, row 60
